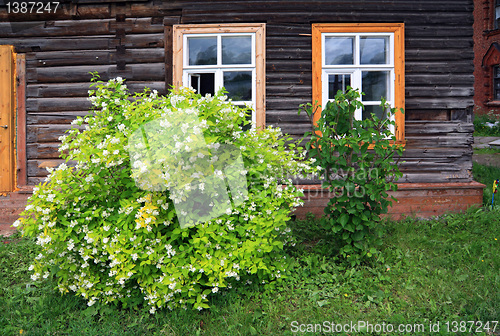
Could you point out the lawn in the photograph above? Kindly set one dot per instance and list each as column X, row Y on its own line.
column 445, row 269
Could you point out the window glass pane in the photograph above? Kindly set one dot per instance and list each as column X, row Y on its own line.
column 238, row 85
column 339, row 50
column 236, row 50
column 338, row 82
column 202, row 50
column 375, row 85
column 203, row 83
column 374, row 50
column 377, row 109
column 497, row 17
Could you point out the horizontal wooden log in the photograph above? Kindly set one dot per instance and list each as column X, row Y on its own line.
column 291, row 90
column 449, row 42
column 57, row 104
column 435, row 153
column 47, row 150
column 437, row 55
column 45, row 133
column 439, row 141
column 94, row 57
column 81, row 89
column 437, row 79
column 279, row 103
column 433, row 127
column 38, row 168
column 278, row 117
column 436, row 31
column 439, row 90
column 139, row 41
column 55, row 28
column 444, row 165
column 438, row 102
column 288, row 66
column 289, row 78
column 465, row 66
column 47, row 118
column 28, row 44
column 273, row 53
column 435, row 178
column 318, row 14
column 78, row 27
column 292, row 128
column 133, row 72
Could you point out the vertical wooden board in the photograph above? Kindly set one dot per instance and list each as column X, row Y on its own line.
column 316, row 70
column 260, row 68
column 6, row 119
column 21, row 120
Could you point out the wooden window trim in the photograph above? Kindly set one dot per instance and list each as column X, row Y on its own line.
column 260, row 52
column 7, row 117
column 399, row 65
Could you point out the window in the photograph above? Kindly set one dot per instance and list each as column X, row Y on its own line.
column 496, row 82
column 209, row 57
column 496, row 23
column 369, row 57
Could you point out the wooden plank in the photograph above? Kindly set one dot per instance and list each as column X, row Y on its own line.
column 439, row 141
column 46, row 150
column 21, row 120
column 46, row 118
column 52, row 90
column 7, row 108
column 46, row 133
column 432, row 127
column 38, row 168
column 438, row 102
column 57, row 104
column 135, row 72
column 28, row 44
column 65, row 58
column 55, row 28
column 78, row 27
column 139, row 41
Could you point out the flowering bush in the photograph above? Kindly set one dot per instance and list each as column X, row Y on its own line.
column 110, row 236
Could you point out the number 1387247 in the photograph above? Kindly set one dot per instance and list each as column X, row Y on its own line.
column 31, row 7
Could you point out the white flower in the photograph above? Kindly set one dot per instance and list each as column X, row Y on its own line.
column 215, row 289
column 17, row 223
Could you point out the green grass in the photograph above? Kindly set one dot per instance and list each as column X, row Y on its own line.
column 445, row 269
column 489, row 151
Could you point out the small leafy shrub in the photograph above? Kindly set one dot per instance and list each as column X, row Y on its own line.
column 108, row 240
column 487, row 124
column 358, row 175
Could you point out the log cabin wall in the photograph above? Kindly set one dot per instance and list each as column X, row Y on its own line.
column 127, row 39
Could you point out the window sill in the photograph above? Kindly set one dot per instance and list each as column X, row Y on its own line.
column 491, row 32
column 493, row 103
